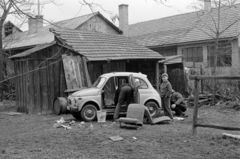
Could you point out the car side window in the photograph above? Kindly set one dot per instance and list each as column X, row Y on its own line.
column 143, row 84
column 121, row 80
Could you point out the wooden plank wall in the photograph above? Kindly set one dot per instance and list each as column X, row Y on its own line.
column 35, row 91
column 145, row 67
column 96, row 69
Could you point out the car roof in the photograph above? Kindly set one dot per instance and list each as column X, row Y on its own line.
column 124, row 74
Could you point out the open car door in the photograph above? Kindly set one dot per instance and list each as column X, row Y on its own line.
column 136, row 94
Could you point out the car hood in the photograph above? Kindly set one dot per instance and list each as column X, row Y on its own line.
column 86, row 92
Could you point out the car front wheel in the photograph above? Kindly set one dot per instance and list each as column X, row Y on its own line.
column 89, row 112
column 153, row 108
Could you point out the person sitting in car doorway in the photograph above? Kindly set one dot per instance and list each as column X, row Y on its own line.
column 178, row 105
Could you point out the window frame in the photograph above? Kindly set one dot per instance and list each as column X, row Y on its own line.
column 190, row 56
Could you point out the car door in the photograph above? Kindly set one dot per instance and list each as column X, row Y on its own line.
column 109, row 91
column 136, row 94
column 143, row 90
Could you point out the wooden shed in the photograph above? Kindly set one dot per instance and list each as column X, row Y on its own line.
column 111, row 53
column 71, row 62
column 40, row 76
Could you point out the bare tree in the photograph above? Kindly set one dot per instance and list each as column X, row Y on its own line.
column 211, row 23
column 19, row 9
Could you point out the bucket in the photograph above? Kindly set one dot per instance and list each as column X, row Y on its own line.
column 101, row 116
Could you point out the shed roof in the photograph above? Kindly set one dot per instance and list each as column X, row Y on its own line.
column 23, row 39
column 188, row 27
column 33, row 50
column 172, row 59
column 99, row 46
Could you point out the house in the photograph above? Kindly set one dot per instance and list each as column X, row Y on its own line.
column 10, row 28
column 43, row 71
column 38, row 34
column 192, row 36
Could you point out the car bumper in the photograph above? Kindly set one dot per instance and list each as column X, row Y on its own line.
column 72, row 109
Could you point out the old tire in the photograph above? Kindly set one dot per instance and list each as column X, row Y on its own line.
column 153, row 108
column 89, row 112
column 60, row 105
column 77, row 115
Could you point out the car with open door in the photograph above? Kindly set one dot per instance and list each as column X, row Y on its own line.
column 85, row 103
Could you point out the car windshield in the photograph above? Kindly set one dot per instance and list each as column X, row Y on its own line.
column 99, row 82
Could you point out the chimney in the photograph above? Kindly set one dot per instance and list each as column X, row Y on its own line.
column 35, row 24
column 123, row 18
column 207, row 5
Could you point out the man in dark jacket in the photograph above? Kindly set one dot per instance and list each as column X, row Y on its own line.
column 178, row 104
column 123, row 94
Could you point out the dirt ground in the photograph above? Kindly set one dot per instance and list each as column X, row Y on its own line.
column 32, row 137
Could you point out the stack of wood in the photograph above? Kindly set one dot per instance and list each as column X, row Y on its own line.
column 206, row 99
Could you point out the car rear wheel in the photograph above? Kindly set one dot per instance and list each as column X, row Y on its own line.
column 153, row 108
column 89, row 112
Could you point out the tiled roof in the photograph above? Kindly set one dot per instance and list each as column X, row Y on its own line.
column 189, row 27
column 33, row 50
column 43, row 36
column 99, row 46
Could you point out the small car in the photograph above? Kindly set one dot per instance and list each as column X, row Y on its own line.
column 85, row 103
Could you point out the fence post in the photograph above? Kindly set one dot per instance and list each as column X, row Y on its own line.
column 201, row 73
column 195, row 111
column 157, row 76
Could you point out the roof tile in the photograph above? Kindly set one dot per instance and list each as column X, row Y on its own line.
column 188, row 27
column 99, row 46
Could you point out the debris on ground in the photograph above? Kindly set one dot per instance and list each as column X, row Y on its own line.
column 82, row 122
column 13, row 113
column 116, row 138
column 134, row 138
column 104, row 125
column 72, row 122
column 91, row 127
column 226, row 135
column 206, row 99
column 59, row 125
column 178, row 118
column 61, row 121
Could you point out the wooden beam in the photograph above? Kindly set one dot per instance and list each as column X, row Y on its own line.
column 165, row 68
column 218, row 127
column 195, row 112
column 215, row 77
column 201, row 73
column 157, row 76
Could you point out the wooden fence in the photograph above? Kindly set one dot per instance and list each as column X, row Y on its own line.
column 196, row 98
column 223, row 85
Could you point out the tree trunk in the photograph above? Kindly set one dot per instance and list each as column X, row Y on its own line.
column 216, row 52
column 1, row 62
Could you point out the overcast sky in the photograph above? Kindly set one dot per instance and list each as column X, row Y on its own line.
column 139, row 10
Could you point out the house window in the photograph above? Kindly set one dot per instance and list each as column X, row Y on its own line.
column 224, row 57
column 193, row 54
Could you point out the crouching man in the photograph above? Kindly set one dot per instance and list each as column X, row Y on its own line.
column 178, row 105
